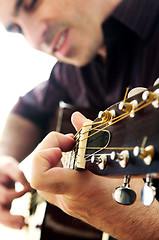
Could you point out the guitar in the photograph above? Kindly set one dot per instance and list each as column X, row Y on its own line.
column 123, row 140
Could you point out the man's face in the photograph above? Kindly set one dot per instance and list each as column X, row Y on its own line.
column 66, row 29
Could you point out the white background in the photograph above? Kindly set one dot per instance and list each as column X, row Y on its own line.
column 21, row 68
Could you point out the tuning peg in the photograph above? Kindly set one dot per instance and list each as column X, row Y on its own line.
column 156, row 82
column 152, row 97
column 155, row 103
column 101, row 160
column 148, row 191
column 135, row 91
column 107, row 116
column 148, row 96
column 128, row 107
column 122, row 157
column 146, row 153
column 124, row 195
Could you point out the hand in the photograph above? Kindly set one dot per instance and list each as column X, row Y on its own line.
column 76, row 193
column 9, row 174
column 87, row 196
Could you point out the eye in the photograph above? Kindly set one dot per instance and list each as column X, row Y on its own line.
column 15, row 28
column 30, row 5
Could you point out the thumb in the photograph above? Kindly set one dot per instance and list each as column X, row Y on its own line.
column 78, row 120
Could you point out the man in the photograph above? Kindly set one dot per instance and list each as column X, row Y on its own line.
column 113, row 37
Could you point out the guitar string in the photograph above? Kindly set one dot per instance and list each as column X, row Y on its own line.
column 103, row 123
column 99, row 148
column 126, row 93
column 119, row 118
column 127, row 89
column 124, row 115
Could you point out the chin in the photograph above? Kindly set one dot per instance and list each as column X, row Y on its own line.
column 78, row 60
column 81, row 62
column 72, row 62
column 84, row 60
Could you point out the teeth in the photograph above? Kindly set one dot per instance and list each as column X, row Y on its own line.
column 59, row 44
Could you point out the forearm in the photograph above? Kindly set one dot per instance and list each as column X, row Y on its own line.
column 20, row 136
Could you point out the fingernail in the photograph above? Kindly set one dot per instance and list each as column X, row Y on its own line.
column 71, row 135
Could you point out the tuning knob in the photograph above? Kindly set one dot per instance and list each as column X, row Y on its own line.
column 147, row 95
column 151, row 97
column 145, row 153
column 101, row 160
column 125, row 195
column 155, row 103
column 122, row 157
column 128, row 107
column 148, row 191
column 156, row 82
column 106, row 116
column 133, row 92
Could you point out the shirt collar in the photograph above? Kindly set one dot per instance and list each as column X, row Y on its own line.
column 138, row 15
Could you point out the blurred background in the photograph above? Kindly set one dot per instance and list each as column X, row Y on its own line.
column 21, row 68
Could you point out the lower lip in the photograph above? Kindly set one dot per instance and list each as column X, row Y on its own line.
column 64, row 47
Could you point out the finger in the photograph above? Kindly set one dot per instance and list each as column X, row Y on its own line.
column 12, row 221
column 8, row 195
column 57, row 180
column 6, row 180
column 9, row 170
column 78, row 120
column 54, row 139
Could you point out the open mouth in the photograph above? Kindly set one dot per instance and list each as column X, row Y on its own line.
column 61, row 43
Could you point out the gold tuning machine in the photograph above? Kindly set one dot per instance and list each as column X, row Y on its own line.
column 128, row 107
column 106, row 116
column 151, row 97
column 100, row 160
column 122, row 157
column 148, row 96
column 146, row 153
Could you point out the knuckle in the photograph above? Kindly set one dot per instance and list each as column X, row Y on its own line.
column 51, row 135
